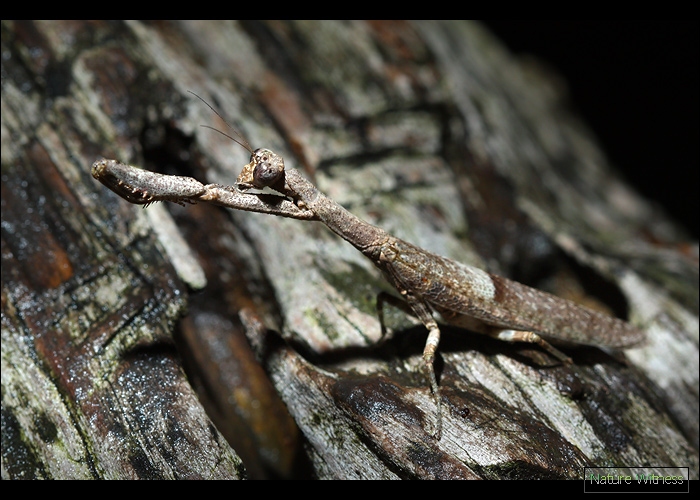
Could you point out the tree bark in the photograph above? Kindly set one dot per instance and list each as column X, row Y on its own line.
column 429, row 130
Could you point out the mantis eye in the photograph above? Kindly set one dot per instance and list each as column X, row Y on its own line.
column 269, row 168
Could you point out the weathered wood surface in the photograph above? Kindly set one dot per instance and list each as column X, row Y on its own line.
column 429, row 130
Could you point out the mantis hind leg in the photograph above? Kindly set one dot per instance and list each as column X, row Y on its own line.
column 532, row 338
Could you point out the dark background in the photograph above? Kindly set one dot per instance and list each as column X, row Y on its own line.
column 636, row 85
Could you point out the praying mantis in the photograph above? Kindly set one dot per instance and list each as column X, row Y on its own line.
column 429, row 284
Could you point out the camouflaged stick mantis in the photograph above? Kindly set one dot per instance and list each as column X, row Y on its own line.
column 463, row 295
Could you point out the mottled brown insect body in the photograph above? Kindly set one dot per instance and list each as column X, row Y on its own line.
column 463, row 295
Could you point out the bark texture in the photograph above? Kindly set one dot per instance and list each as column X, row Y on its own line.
column 121, row 325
